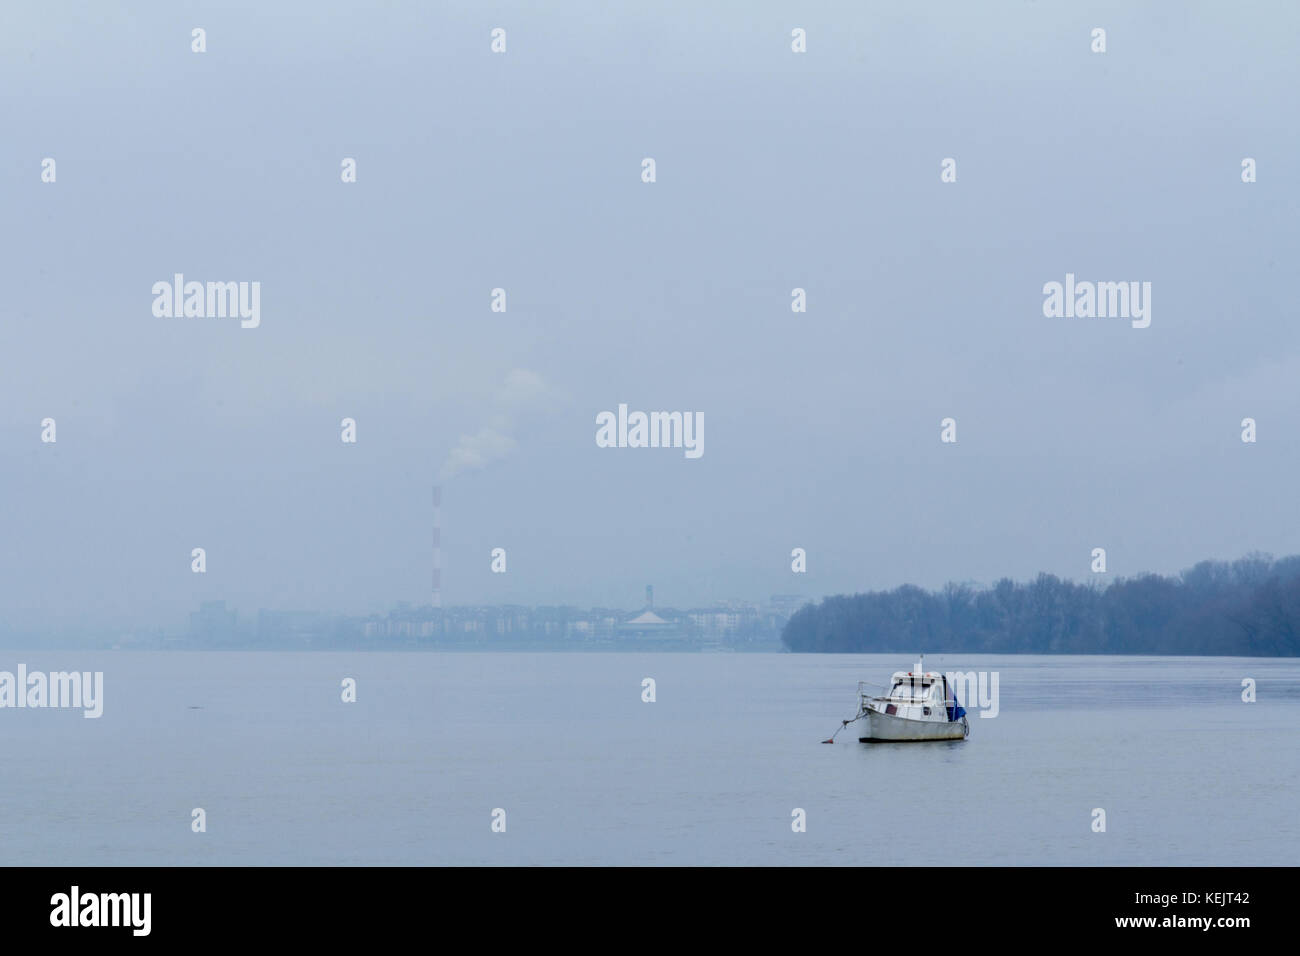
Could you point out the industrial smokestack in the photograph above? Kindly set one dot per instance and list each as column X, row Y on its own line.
column 437, row 546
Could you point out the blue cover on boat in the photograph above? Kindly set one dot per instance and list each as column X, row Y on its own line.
column 956, row 711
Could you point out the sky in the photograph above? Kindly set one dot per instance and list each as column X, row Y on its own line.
column 522, row 170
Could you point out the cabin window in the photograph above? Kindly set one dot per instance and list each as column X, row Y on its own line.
column 912, row 689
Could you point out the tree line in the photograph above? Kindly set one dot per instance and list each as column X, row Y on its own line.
column 1248, row 607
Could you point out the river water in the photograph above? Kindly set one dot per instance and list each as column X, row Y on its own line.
column 586, row 772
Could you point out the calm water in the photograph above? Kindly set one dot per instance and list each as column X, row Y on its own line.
column 587, row 773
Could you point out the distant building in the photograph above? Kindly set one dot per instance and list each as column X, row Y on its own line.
column 213, row 623
column 650, row 626
column 647, row 621
column 292, row 627
column 786, row 604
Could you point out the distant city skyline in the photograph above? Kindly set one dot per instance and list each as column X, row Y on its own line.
column 738, row 625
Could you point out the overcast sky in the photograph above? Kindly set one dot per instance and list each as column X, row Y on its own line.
column 522, row 171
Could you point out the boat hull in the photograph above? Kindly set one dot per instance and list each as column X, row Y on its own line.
column 875, row 727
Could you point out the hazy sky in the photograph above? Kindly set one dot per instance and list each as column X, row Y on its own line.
column 522, row 170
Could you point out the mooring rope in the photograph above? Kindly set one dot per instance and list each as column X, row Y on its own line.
column 843, row 724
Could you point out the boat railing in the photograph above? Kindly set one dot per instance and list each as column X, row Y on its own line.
column 883, row 694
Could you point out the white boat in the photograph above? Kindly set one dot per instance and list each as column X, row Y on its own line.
column 918, row 705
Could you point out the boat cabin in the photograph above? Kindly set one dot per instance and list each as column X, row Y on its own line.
column 929, row 689
column 915, row 695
